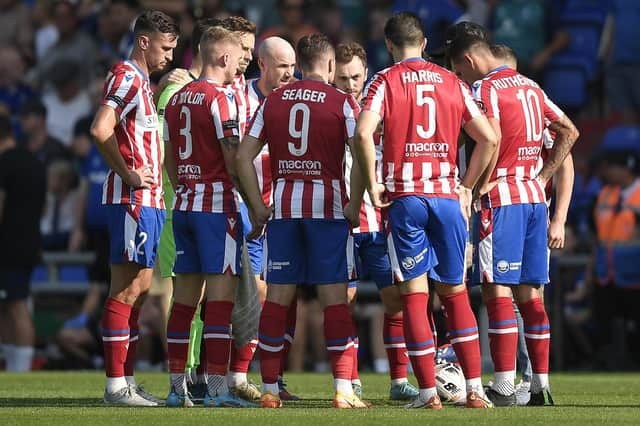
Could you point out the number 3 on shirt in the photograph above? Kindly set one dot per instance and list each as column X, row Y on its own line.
column 303, row 132
column 423, row 97
column 186, row 132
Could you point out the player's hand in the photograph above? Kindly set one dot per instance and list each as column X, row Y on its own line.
column 487, row 187
column 258, row 220
column 178, row 76
column 465, row 196
column 379, row 197
column 555, row 235
column 352, row 214
column 141, row 177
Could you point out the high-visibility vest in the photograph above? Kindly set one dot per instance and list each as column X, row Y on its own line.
column 618, row 230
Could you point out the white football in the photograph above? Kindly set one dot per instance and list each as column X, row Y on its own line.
column 450, row 383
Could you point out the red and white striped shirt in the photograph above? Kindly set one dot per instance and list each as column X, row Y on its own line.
column 370, row 217
column 196, row 113
column 127, row 91
column 524, row 112
column 423, row 107
column 261, row 162
column 306, row 125
column 238, row 86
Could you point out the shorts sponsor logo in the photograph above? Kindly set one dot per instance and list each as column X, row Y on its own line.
column 502, row 266
column 276, row 266
column 408, row 263
column 514, row 266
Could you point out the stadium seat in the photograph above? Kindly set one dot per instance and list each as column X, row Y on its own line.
column 622, row 137
column 73, row 274
column 566, row 84
column 585, row 30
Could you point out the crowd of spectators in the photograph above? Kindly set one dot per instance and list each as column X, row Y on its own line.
column 54, row 56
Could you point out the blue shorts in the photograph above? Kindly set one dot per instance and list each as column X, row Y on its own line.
column 207, row 243
column 134, row 233
column 426, row 234
column 511, row 245
column 372, row 260
column 254, row 247
column 308, row 251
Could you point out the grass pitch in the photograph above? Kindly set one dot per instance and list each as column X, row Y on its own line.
column 50, row 398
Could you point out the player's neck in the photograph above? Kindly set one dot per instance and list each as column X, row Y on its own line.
column 213, row 73
column 138, row 60
column 315, row 75
column 400, row 55
column 266, row 91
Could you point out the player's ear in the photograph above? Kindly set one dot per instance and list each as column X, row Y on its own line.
column 225, row 59
column 423, row 45
column 143, row 42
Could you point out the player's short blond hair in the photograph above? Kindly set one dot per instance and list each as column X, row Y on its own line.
column 215, row 35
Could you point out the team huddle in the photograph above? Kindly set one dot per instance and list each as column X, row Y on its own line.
column 321, row 179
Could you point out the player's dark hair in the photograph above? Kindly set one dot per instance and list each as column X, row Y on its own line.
column 154, row 21
column 346, row 51
column 239, row 24
column 463, row 44
column 461, row 37
column 310, row 48
column 198, row 29
column 404, row 29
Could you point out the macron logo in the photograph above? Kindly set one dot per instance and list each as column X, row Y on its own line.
column 128, row 77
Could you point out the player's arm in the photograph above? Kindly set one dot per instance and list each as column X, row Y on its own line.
column 365, row 156
column 102, row 131
column 564, row 187
column 356, row 190
column 484, row 185
column 566, row 136
column 247, row 183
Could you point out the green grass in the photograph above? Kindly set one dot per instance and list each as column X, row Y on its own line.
column 47, row 398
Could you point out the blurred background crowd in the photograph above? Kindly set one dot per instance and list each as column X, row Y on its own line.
column 585, row 53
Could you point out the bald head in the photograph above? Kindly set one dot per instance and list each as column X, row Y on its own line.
column 277, row 60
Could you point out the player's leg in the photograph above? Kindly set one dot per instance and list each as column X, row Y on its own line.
column 290, row 332
column 134, row 234
column 376, row 259
column 448, row 234
column 500, row 240
column 411, row 257
column 219, row 239
column 329, row 249
column 285, row 268
column 535, row 274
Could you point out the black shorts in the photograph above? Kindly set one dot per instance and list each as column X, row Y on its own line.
column 15, row 283
column 98, row 242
